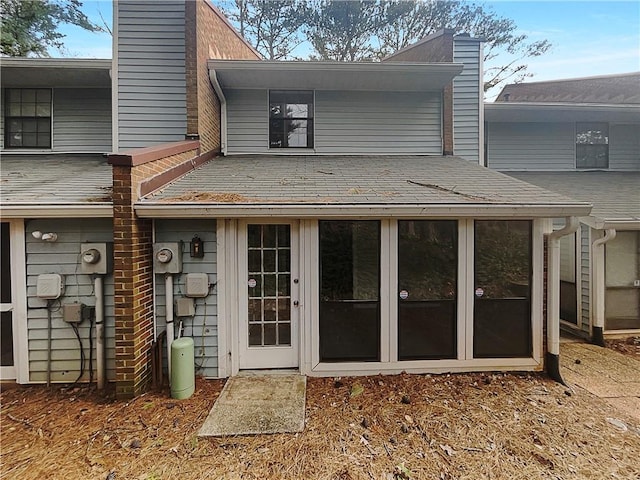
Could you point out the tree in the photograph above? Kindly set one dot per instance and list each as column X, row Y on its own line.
column 343, row 30
column 30, row 27
column 272, row 26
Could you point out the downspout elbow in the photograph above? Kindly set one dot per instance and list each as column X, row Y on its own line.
column 553, row 298
column 223, row 110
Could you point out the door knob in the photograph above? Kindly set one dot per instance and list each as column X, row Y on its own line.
column 296, row 303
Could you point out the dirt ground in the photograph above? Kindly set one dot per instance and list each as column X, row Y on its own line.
column 465, row 426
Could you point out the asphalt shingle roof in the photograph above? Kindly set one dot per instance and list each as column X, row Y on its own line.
column 621, row 89
column 55, row 179
column 362, row 180
column 614, row 195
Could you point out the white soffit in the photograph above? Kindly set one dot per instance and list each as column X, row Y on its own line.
column 369, row 76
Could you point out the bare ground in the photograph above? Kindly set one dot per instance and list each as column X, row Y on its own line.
column 628, row 346
column 466, row 426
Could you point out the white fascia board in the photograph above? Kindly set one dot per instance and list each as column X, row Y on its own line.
column 341, row 211
column 73, row 63
column 56, row 211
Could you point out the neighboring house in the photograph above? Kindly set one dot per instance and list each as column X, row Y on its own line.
column 581, row 138
column 333, row 218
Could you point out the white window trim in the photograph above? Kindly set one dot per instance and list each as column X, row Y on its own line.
column 20, row 369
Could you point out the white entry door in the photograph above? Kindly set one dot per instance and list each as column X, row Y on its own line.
column 268, row 295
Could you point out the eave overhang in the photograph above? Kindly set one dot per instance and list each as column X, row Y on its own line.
column 355, row 76
column 56, row 72
column 204, row 210
column 559, row 112
column 68, row 210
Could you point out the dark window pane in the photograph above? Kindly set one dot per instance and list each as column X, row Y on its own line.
column 284, row 285
column 269, row 285
column 5, row 264
column 255, row 310
column 290, row 114
column 284, row 334
column 349, row 290
column 502, row 310
column 255, row 234
column 269, row 259
column 269, row 334
column 255, row 262
column 269, row 236
column 427, row 284
column 28, row 118
column 6, row 339
column 256, row 290
column 284, row 260
column 284, row 235
column 284, row 309
column 270, row 310
column 255, row 334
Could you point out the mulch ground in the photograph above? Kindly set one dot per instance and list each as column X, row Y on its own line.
column 466, row 426
column 628, row 346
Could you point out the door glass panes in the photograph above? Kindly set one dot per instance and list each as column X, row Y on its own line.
column 427, row 284
column 622, row 269
column 6, row 320
column 502, row 283
column 269, row 285
column 349, row 290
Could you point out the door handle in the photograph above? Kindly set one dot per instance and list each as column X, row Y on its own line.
column 296, row 303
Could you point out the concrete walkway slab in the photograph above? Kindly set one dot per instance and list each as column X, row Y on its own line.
column 258, row 404
column 603, row 372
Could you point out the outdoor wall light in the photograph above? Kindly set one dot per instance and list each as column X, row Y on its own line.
column 45, row 237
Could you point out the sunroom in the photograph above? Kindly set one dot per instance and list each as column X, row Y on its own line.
column 349, row 265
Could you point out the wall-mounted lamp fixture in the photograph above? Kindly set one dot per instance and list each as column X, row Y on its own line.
column 45, row 237
column 197, row 247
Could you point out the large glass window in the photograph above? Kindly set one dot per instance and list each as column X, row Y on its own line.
column 502, row 306
column 349, row 290
column 568, row 284
column 427, row 285
column 622, row 295
column 6, row 320
column 592, row 145
column 290, row 119
column 27, row 118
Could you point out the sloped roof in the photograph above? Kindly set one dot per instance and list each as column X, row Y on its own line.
column 273, row 185
column 615, row 195
column 57, row 185
column 622, row 89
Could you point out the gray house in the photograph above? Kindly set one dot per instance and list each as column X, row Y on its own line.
column 580, row 137
column 330, row 218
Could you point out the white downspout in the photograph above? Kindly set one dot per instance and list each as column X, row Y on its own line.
column 223, row 110
column 100, row 358
column 597, row 254
column 168, row 285
column 553, row 297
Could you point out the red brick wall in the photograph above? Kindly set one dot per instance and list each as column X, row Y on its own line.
column 437, row 48
column 208, row 36
column 133, row 267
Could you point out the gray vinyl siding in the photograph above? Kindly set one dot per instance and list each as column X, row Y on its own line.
column 82, row 120
column 62, row 257
column 345, row 123
column 247, row 121
column 531, row 146
column 467, row 96
column 151, row 73
column 203, row 328
column 585, row 276
column 624, row 147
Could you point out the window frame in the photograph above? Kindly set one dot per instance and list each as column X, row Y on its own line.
column 8, row 118
column 309, row 118
column 580, row 159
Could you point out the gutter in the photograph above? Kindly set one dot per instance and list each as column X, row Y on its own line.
column 302, row 209
column 27, row 210
column 597, row 255
column 553, row 297
column 213, row 77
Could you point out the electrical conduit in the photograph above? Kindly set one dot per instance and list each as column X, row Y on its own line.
column 100, row 356
column 168, row 285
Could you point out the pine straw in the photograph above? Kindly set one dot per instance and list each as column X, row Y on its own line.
column 628, row 346
column 467, row 426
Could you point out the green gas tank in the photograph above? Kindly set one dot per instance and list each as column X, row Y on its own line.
column 183, row 377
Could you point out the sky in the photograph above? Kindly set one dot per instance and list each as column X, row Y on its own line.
column 588, row 37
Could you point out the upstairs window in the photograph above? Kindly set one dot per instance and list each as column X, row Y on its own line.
column 290, row 119
column 592, row 145
column 27, row 118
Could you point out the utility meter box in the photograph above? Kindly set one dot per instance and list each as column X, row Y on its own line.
column 196, row 285
column 49, row 286
column 185, row 307
column 96, row 258
column 167, row 258
column 73, row 312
